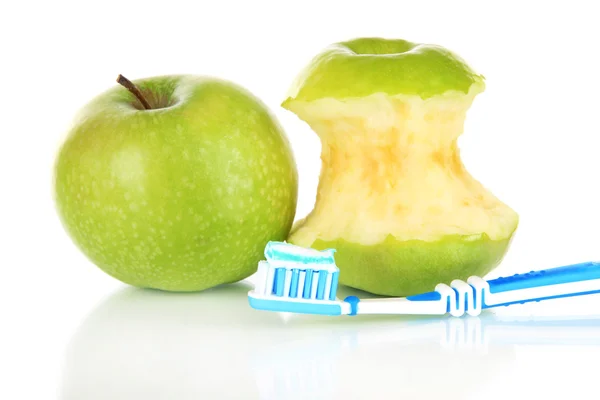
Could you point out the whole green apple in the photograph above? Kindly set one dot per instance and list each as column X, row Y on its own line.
column 394, row 197
column 178, row 186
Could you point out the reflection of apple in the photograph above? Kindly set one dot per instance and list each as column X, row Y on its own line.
column 150, row 345
column 181, row 194
column 143, row 344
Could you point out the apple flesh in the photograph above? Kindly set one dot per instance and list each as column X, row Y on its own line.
column 394, row 197
column 183, row 196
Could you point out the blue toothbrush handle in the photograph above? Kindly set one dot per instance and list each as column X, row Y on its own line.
column 568, row 281
column 555, row 276
column 477, row 294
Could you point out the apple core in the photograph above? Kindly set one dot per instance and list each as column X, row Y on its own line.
column 394, row 197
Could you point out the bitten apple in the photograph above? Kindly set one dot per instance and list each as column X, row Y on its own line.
column 394, row 198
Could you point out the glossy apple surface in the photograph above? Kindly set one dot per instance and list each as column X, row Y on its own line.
column 181, row 197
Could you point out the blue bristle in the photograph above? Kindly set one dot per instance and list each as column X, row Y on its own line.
column 280, row 277
column 275, row 280
column 294, row 284
column 321, row 285
column 334, row 284
column 307, row 284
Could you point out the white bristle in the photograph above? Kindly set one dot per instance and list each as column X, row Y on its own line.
column 269, row 281
column 261, row 277
column 315, row 285
column 301, row 279
column 327, row 287
column 288, row 282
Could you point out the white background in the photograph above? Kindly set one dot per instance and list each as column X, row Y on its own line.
column 68, row 331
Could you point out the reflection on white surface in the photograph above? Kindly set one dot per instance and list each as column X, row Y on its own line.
column 150, row 345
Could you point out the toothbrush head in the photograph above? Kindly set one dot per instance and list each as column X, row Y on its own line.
column 296, row 279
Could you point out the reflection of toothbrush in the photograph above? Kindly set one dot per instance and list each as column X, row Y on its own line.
column 312, row 365
column 299, row 280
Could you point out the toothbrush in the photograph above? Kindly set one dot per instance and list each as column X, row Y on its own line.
column 300, row 280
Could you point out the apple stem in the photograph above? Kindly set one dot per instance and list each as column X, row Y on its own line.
column 133, row 89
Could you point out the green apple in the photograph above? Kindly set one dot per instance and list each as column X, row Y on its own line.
column 182, row 194
column 394, row 197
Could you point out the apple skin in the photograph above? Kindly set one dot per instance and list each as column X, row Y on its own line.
column 363, row 66
column 182, row 197
column 451, row 257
